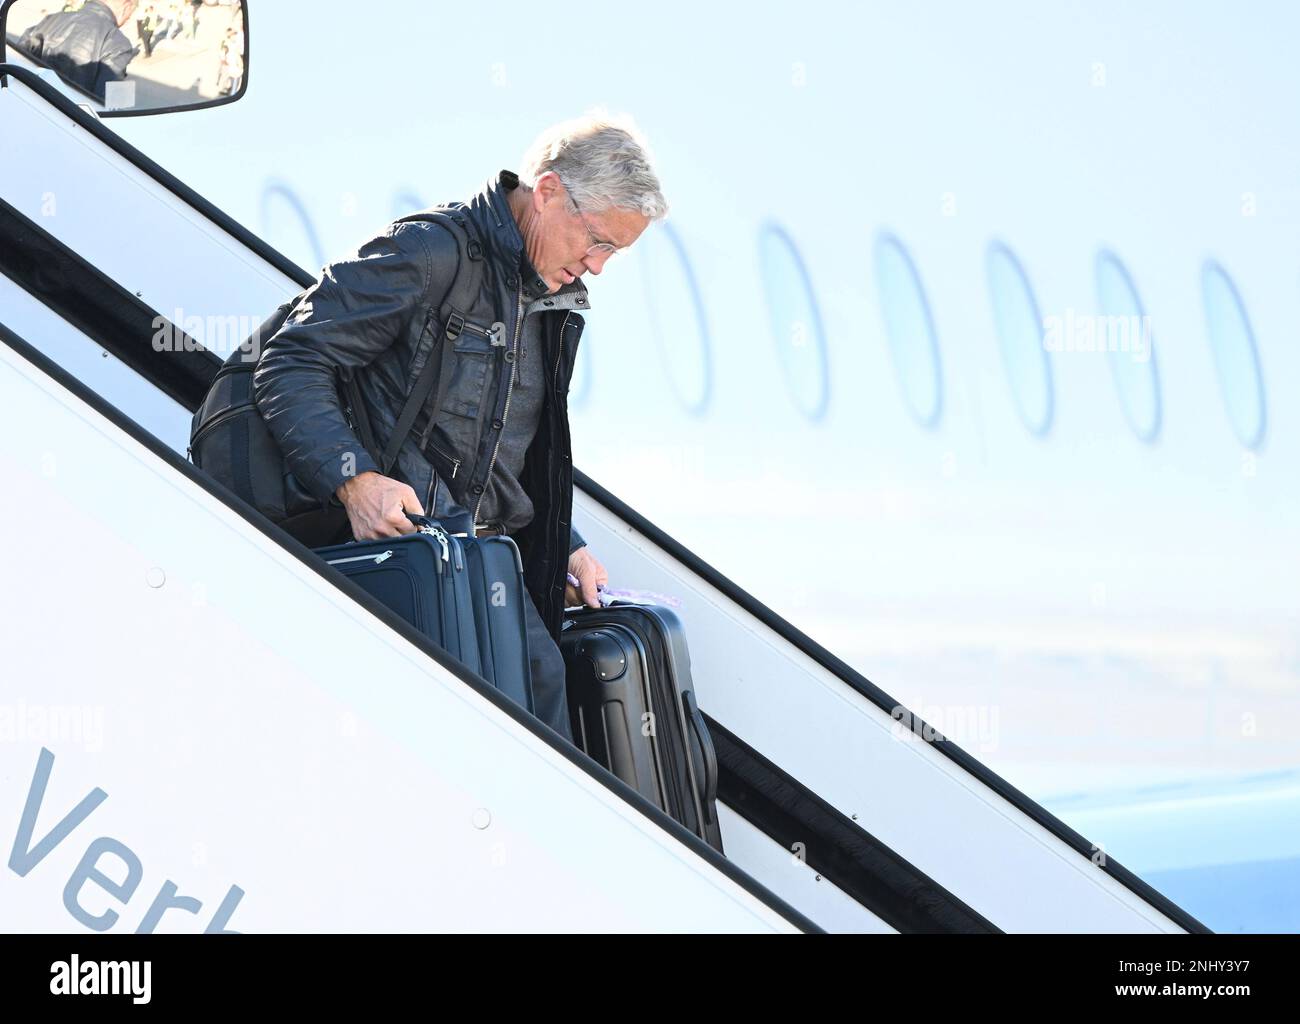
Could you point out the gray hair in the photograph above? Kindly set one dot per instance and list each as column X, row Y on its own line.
column 603, row 162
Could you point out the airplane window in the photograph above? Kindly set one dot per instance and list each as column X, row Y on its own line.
column 796, row 322
column 675, row 312
column 1020, row 336
column 909, row 330
column 1235, row 357
column 1131, row 352
column 285, row 220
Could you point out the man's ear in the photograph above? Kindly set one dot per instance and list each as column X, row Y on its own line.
column 547, row 189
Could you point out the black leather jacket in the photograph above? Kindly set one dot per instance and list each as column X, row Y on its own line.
column 376, row 312
column 84, row 47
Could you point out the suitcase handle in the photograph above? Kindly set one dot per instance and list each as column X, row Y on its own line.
column 420, row 520
column 710, row 754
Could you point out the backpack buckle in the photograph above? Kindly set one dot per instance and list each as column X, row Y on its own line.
column 455, row 324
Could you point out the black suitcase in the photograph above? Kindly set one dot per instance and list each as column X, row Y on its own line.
column 633, row 709
column 496, row 578
column 421, row 576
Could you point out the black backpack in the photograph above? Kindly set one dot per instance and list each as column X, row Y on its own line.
column 230, row 442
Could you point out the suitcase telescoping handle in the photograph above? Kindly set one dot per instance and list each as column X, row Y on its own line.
column 696, row 718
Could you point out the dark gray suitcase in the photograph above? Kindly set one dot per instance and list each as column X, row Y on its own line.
column 633, row 709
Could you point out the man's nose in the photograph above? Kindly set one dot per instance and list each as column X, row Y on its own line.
column 596, row 263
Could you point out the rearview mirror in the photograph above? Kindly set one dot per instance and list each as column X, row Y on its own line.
column 135, row 56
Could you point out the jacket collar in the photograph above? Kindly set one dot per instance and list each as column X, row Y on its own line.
column 493, row 211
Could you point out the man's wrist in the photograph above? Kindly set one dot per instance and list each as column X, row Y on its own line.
column 344, row 489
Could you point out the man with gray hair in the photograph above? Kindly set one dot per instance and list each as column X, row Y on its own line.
column 496, row 459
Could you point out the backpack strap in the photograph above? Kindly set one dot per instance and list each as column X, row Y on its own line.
column 459, row 297
column 360, row 415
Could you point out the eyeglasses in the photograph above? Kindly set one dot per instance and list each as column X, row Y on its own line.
column 597, row 248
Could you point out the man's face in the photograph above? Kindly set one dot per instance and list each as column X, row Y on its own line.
column 558, row 239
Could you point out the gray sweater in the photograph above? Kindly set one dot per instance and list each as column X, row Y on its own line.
column 504, row 500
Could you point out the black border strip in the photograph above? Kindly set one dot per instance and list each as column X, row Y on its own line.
column 220, row 101
column 403, row 628
column 103, row 310
column 839, row 849
column 695, row 564
column 877, row 696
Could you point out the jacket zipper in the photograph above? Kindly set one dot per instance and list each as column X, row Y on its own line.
column 563, row 549
column 519, row 325
column 455, row 463
column 555, row 384
column 493, row 333
column 559, row 354
column 562, row 537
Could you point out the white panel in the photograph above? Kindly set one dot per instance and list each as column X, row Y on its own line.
column 846, row 750
column 253, row 727
column 792, row 880
column 124, row 223
column 94, row 366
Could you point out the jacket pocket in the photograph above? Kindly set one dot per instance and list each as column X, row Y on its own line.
column 450, row 440
column 471, row 358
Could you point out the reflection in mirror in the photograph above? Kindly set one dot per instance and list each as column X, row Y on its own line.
column 132, row 56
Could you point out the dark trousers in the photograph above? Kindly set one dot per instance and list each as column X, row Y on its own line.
column 549, row 701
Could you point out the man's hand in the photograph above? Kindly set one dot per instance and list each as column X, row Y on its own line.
column 377, row 506
column 583, row 565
